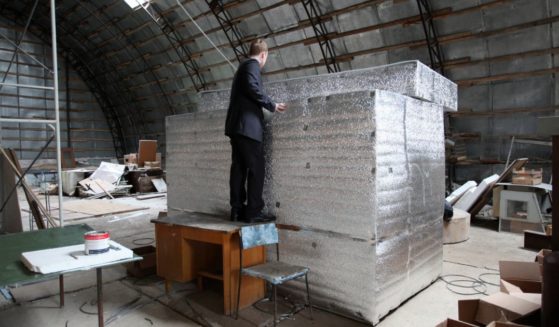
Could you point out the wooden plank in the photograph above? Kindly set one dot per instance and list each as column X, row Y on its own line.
column 501, row 112
column 147, row 150
column 512, row 56
column 100, row 207
column 34, row 204
column 150, row 196
column 505, row 77
column 210, row 275
column 68, row 160
column 482, row 200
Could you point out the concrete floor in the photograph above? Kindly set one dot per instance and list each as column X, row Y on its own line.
column 143, row 302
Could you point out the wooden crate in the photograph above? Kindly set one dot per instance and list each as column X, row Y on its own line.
column 527, row 177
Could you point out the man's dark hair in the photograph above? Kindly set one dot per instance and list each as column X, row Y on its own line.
column 257, row 46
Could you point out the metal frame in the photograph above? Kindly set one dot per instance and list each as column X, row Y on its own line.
column 109, row 110
column 56, row 120
column 99, row 84
column 431, row 37
column 229, row 28
column 146, row 66
column 90, row 79
column 321, row 34
column 174, row 37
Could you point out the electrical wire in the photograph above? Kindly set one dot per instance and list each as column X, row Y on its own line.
column 126, row 308
column 488, row 274
column 205, row 35
column 478, row 285
column 464, row 282
column 294, row 308
column 143, row 241
column 92, row 303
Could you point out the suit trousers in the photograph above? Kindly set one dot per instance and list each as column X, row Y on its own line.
column 247, row 167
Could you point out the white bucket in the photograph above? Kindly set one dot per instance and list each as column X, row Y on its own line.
column 96, row 242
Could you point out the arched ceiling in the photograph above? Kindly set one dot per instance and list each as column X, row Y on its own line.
column 147, row 63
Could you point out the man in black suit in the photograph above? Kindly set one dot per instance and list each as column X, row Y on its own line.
column 244, row 125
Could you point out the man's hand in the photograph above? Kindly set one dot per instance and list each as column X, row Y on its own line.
column 280, row 107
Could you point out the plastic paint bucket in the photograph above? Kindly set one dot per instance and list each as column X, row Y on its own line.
column 96, row 242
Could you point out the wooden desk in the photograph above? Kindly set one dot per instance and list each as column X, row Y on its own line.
column 191, row 245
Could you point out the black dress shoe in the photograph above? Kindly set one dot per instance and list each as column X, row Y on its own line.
column 261, row 219
column 238, row 214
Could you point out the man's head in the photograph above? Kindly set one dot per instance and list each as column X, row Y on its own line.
column 259, row 51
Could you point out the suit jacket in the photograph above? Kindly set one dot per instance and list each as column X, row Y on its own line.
column 244, row 115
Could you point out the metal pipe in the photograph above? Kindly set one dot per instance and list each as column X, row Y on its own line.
column 28, row 86
column 28, row 120
column 56, row 110
column 100, row 320
column 26, row 171
column 205, row 35
column 68, row 122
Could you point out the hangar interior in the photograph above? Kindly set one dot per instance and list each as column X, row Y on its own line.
column 92, row 80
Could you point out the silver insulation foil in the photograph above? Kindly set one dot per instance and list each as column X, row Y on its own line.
column 359, row 174
column 411, row 78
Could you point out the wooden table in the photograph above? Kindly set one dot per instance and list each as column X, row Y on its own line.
column 193, row 245
column 13, row 272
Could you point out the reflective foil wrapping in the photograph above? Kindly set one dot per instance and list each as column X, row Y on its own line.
column 358, row 173
column 411, row 78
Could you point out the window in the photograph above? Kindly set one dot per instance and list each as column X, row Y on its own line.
column 135, row 4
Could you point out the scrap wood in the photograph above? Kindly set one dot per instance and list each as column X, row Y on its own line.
column 109, row 172
column 104, row 189
column 482, row 200
column 100, row 207
column 468, row 200
column 10, row 213
column 150, row 196
column 120, row 190
column 96, row 186
column 147, row 151
column 34, row 203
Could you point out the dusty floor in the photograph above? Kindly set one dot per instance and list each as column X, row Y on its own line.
column 143, row 302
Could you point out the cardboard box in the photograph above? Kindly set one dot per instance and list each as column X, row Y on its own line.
column 497, row 201
column 494, row 307
column 548, row 229
column 454, row 323
column 524, row 275
column 540, row 256
column 144, row 267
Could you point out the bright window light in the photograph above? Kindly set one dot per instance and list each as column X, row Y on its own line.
column 135, row 4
